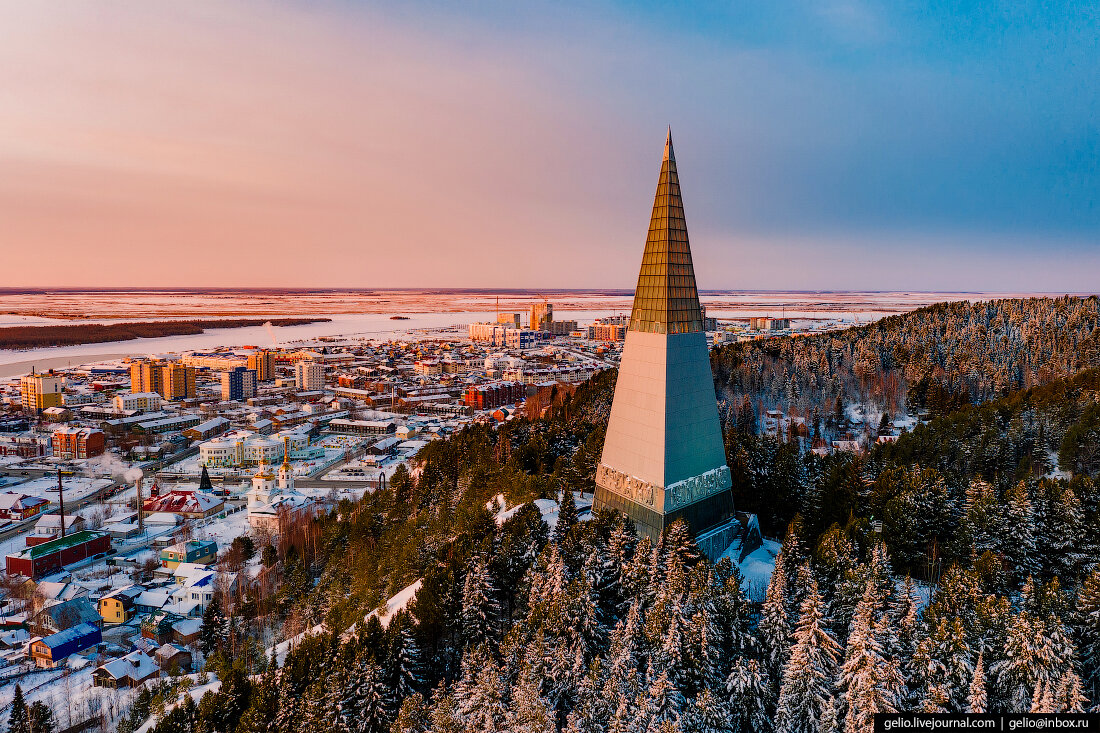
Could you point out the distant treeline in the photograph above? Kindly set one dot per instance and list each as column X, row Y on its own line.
column 32, row 337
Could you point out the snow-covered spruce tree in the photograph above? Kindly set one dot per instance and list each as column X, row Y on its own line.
column 480, row 608
column 628, row 654
column 1036, row 653
column 663, row 701
column 942, row 661
column 708, row 713
column 869, row 681
column 18, row 720
column 750, row 696
column 1069, row 698
column 529, row 712
column 774, row 628
column 807, row 680
column 479, row 694
column 405, row 673
column 567, row 518
column 414, row 716
column 977, row 700
column 1086, row 631
column 592, row 711
column 678, row 542
column 1019, row 540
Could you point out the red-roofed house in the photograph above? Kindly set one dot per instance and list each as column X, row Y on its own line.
column 186, row 503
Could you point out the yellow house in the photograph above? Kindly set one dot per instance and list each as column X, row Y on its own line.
column 118, row 606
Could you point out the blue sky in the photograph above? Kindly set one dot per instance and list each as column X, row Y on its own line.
column 821, row 145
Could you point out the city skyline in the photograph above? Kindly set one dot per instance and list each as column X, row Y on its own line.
column 839, row 146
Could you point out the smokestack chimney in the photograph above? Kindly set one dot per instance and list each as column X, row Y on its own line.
column 61, row 502
column 140, row 507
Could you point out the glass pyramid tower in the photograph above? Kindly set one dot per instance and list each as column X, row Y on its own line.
column 663, row 456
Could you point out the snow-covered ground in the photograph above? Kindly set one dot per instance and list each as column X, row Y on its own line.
column 757, row 567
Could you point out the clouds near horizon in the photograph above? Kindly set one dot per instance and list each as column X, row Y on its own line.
column 836, row 144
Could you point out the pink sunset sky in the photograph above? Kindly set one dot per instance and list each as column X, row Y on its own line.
column 357, row 145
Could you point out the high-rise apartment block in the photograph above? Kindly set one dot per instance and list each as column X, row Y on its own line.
column 263, row 362
column 542, row 315
column 177, row 381
column 39, row 391
column 239, row 383
column 309, row 376
column 171, row 380
column 663, row 457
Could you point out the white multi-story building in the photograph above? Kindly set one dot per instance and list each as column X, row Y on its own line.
column 245, row 448
column 309, row 376
column 143, row 401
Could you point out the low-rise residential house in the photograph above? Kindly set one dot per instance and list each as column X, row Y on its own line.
column 65, row 615
column 157, row 626
column 173, row 658
column 186, row 503
column 119, row 606
column 50, row 651
column 202, row 552
column 49, row 528
column 187, row 631
column 17, row 506
column 129, row 671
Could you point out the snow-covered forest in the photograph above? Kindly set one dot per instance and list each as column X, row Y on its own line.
column 957, row 569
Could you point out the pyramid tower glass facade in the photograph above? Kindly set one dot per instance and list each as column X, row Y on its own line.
column 663, row 455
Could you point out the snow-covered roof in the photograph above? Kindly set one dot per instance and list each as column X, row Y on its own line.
column 135, row 665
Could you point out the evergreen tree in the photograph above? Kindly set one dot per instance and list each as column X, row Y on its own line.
column 18, row 720
column 413, row 716
column 750, row 696
column 529, row 711
column 664, row 702
column 807, row 675
column 870, row 682
column 1086, row 628
column 212, row 633
column 40, row 718
column 567, row 518
column 1019, row 540
column 709, row 713
column 480, row 610
column 774, row 628
column 976, row 701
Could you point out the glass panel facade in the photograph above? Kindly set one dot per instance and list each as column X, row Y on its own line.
column 666, row 299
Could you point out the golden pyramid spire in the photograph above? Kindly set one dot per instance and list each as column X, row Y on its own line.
column 666, row 299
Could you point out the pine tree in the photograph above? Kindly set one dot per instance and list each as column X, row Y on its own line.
column 870, row 682
column 529, row 711
column 774, row 629
column 1086, row 628
column 40, row 718
column 1069, row 698
column 750, row 696
column 976, row 701
column 1019, row 540
column 480, row 609
column 709, row 713
column 212, row 633
column 414, row 716
column 664, row 702
column 807, row 675
column 592, row 711
column 18, row 720
column 567, row 518
column 478, row 695
column 406, row 674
